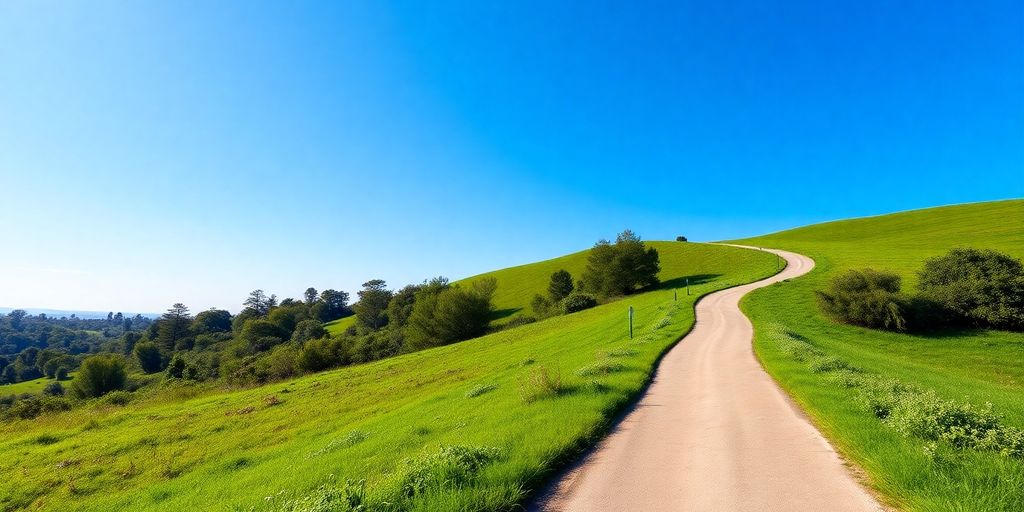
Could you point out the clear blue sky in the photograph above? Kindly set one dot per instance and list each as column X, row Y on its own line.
column 155, row 152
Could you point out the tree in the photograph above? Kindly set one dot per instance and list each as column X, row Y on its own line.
column 560, row 286
column 149, row 357
column 261, row 334
column 308, row 330
column 16, row 317
column 984, row 287
column 99, row 375
column 450, row 315
column 211, row 321
column 371, row 310
column 259, row 303
column 333, row 305
column 310, row 295
column 287, row 317
column 174, row 326
column 622, row 267
column 400, row 306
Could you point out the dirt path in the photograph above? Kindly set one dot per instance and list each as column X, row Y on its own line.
column 714, row 432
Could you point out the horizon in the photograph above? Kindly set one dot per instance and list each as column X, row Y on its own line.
column 152, row 156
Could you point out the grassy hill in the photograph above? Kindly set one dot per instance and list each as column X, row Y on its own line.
column 34, row 386
column 470, row 426
column 975, row 366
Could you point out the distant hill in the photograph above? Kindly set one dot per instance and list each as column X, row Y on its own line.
column 80, row 314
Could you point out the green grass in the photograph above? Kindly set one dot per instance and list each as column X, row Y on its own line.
column 976, row 366
column 32, row 386
column 336, row 327
column 470, row 426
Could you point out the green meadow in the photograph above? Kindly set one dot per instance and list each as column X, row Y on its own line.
column 34, row 386
column 475, row 425
column 972, row 366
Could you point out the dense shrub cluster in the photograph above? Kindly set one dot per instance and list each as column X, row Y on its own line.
column 983, row 288
column 966, row 287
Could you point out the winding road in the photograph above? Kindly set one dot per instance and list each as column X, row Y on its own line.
column 714, row 432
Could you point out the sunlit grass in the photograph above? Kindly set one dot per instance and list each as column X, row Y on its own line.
column 261, row 447
column 974, row 366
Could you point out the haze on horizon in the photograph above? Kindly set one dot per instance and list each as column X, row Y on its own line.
column 193, row 152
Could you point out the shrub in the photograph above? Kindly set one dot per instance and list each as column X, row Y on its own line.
column 308, row 330
column 984, row 287
column 148, row 356
column 541, row 306
column 539, row 383
column 99, row 375
column 61, row 374
column 53, row 389
column 867, row 297
column 119, row 397
column 578, row 302
column 680, row 238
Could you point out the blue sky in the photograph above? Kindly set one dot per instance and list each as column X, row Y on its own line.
column 156, row 152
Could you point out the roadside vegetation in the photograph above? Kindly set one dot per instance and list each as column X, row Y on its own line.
column 925, row 396
column 474, row 425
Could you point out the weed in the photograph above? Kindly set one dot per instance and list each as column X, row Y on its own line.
column 349, row 497
column 480, row 389
column 539, row 383
column 450, row 467
column 599, row 368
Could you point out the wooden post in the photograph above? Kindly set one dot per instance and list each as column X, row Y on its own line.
column 675, row 295
column 687, row 285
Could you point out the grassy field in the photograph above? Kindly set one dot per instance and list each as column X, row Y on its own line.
column 976, row 366
column 32, row 386
column 470, row 426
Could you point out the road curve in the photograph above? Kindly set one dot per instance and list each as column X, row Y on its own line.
column 713, row 432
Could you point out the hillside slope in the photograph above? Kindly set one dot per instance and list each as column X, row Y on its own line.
column 514, row 404
column 977, row 366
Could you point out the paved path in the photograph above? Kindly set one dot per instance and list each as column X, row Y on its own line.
column 714, row 432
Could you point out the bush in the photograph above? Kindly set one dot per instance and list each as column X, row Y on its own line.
column 99, row 375
column 53, row 389
column 680, row 238
column 578, row 302
column 148, row 356
column 983, row 287
column 868, row 298
column 540, row 383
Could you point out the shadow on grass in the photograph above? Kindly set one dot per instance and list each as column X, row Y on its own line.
column 680, row 282
column 504, row 313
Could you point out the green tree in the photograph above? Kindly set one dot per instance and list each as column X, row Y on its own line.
column 99, row 375
column 149, row 357
column 211, row 321
column 450, row 315
column 311, row 296
column 371, row 310
column 259, row 303
column 261, row 334
column 173, row 327
column 333, row 305
column 560, row 286
column 309, row 329
column 621, row 268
